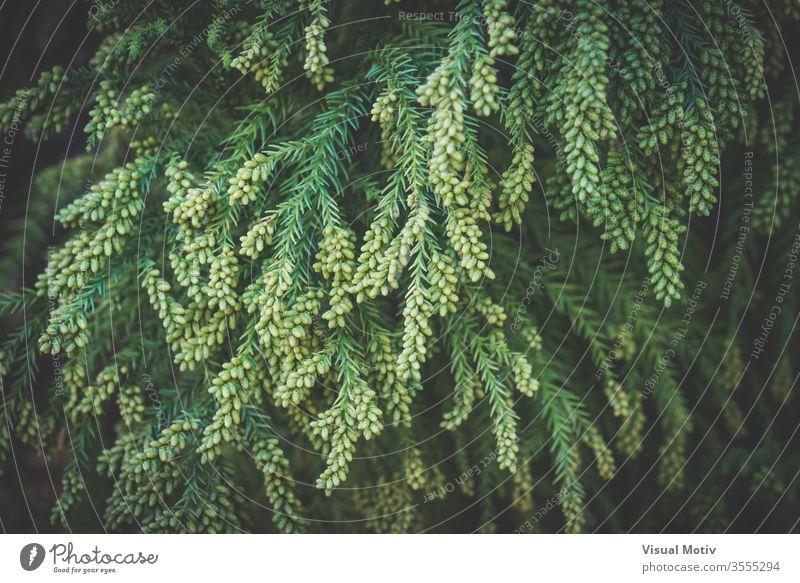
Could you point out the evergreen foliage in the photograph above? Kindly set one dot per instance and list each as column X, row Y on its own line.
column 346, row 266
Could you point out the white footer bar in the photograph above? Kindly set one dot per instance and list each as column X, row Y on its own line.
column 356, row 558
